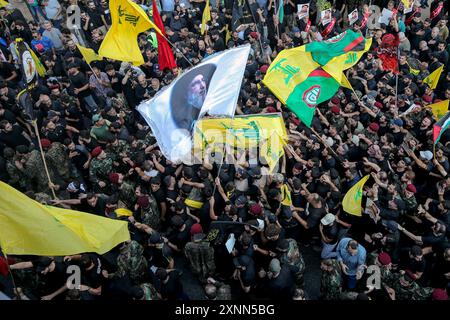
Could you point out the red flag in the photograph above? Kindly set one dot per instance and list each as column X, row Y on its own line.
column 387, row 52
column 165, row 54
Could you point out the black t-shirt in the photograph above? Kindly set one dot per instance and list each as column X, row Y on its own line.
column 283, row 286
column 78, row 81
column 7, row 71
column 93, row 277
column 315, row 214
column 54, row 280
column 14, row 138
column 248, row 276
column 173, row 288
column 99, row 208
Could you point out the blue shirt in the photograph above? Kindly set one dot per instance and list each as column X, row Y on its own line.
column 45, row 42
column 352, row 262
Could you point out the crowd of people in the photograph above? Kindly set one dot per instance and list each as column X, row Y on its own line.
column 103, row 159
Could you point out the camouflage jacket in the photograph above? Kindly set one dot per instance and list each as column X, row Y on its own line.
column 150, row 292
column 201, row 258
column 294, row 257
column 151, row 216
column 35, row 171
column 412, row 292
column 58, row 159
column 131, row 262
column 100, row 169
column 331, row 283
column 127, row 194
column 17, row 178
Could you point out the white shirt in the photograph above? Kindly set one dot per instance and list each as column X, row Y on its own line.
column 52, row 9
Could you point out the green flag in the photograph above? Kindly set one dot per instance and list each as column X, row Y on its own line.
column 281, row 11
column 323, row 52
column 317, row 88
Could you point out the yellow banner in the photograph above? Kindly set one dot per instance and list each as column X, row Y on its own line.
column 433, row 79
column 206, row 17
column 88, row 54
column 345, row 61
column 439, row 109
column 265, row 132
column 353, row 198
column 128, row 21
column 290, row 68
column 28, row 227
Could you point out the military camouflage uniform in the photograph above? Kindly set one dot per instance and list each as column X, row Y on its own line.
column 331, row 283
column 369, row 135
column 131, row 262
column 99, row 170
column 18, row 178
column 412, row 292
column 118, row 152
column 150, row 292
column 150, row 216
column 201, row 259
column 223, row 291
column 58, row 160
column 294, row 257
column 127, row 194
column 35, row 171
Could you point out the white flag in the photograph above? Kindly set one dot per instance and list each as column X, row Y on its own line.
column 210, row 88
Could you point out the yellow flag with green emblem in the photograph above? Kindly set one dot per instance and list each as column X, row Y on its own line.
column 88, row 54
column 286, row 196
column 433, row 79
column 30, row 228
column 205, row 17
column 439, row 109
column 128, row 21
column 265, row 132
column 290, row 68
column 3, row 3
column 353, row 198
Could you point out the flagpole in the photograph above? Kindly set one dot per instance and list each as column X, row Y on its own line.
column 43, row 158
column 259, row 38
column 16, row 292
column 176, row 49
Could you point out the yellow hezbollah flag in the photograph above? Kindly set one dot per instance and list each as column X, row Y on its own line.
column 39, row 66
column 267, row 132
column 206, row 17
column 433, row 79
column 345, row 61
column 439, row 109
column 345, row 83
column 128, row 21
column 286, row 196
column 88, row 54
column 290, row 68
column 352, row 199
column 3, row 3
column 28, row 227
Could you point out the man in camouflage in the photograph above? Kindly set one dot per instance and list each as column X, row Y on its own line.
column 15, row 169
column 405, row 288
column 200, row 254
column 57, row 158
column 331, row 280
column 149, row 212
column 124, row 188
column 99, row 169
column 291, row 255
column 131, row 262
column 216, row 290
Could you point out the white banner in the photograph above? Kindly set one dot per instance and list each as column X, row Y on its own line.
column 210, row 88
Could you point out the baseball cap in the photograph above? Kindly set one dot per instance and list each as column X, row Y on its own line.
column 275, row 265
column 96, row 117
column 398, row 122
column 256, row 209
column 427, row 155
column 328, row 219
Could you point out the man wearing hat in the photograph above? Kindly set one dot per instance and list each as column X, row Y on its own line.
column 405, row 288
column 100, row 129
column 281, row 282
column 99, row 168
column 149, row 211
column 200, row 254
column 329, row 233
column 369, row 136
column 125, row 189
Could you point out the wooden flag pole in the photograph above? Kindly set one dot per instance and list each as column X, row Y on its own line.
column 43, row 158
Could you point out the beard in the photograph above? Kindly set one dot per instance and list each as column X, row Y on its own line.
column 196, row 100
